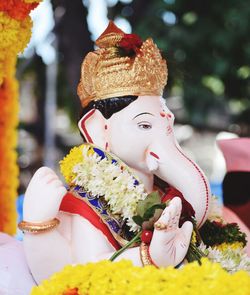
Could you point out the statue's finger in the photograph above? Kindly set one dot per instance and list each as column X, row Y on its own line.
column 176, row 201
column 187, row 229
column 165, row 215
column 43, row 171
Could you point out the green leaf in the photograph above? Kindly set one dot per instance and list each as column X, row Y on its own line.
column 138, row 219
column 151, row 200
column 151, row 211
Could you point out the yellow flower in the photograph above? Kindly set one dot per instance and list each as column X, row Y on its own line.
column 224, row 246
column 194, row 237
column 74, row 157
column 14, row 36
column 122, row 277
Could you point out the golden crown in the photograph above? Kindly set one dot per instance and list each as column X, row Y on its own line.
column 123, row 65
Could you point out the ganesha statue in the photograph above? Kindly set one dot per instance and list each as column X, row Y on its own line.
column 129, row 161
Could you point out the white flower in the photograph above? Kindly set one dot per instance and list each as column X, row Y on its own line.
column 230, row 259
column 101, row 177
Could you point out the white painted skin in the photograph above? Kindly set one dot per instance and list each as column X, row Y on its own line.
column 142, row 136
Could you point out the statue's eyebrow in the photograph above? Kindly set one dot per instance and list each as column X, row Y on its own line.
column 142, row 114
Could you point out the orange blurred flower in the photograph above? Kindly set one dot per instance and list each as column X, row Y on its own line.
column 17, row 9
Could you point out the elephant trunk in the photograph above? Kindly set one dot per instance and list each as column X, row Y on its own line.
column 168, row 161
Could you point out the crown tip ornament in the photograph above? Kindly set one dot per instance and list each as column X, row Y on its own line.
column 123, row 65
column 110, row 37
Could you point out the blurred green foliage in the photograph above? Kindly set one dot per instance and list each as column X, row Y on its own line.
column 207, row 45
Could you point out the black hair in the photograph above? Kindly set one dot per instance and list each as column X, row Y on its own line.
column 236, row 188
column 109, row 106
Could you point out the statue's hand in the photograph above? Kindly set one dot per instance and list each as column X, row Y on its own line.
column 43, row 196
column 169, row 246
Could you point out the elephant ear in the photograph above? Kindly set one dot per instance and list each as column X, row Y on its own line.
column 92, row 127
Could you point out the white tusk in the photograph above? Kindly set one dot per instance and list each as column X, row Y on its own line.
column 152, row 163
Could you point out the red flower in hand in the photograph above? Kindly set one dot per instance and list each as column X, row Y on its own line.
column 187, row 212
column 146, row 236
column 130, row 43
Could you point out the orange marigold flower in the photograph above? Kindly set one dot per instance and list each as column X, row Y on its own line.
column 8, row 141
column 15, row 31
column 73, row 291
column 17, row 9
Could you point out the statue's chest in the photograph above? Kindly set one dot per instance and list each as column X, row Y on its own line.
column 87, row 240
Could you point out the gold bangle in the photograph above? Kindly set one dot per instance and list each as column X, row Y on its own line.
column 160, row 226
column 38, row 227
column 145, row 256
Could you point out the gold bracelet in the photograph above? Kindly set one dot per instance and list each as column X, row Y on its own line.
column 38, row 227
column 145, row 256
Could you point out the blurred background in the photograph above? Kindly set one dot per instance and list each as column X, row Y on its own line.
column 207, row 47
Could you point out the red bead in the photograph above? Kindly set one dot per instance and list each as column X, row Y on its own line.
column 146, row 236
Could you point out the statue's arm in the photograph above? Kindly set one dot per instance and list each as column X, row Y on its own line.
column 46, row 253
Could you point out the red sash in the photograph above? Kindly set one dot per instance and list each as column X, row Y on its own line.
column 73, row 205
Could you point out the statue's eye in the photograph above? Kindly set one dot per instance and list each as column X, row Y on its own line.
column 144, row 125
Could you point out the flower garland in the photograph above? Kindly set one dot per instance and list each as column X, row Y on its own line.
column 15, row 32
column 8, row 139
column 101, row 175
column 123, row 278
